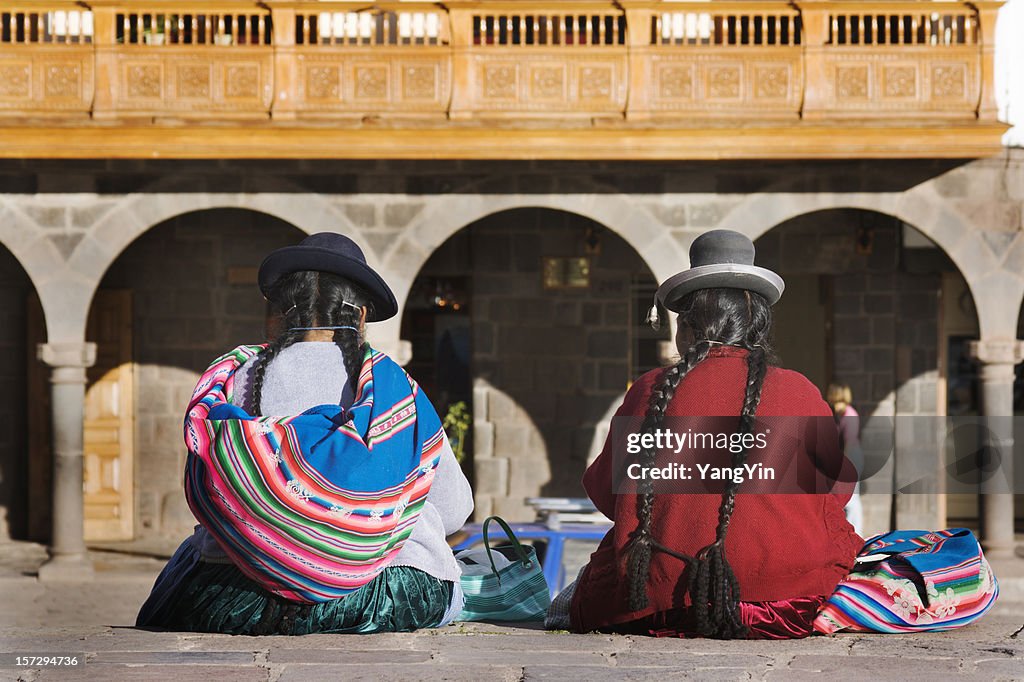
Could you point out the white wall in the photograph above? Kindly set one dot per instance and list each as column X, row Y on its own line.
column 1010, row 70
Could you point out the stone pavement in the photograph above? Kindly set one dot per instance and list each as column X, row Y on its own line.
column 94, row 619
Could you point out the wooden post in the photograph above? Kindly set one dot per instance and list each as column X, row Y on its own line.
column 815, row 19
column 104, row 39
column 638, row 45
column 460, row 18
column 988, row 12
column 286, row 68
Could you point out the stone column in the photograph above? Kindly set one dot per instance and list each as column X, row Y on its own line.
column 997, row 358
column 68, row 558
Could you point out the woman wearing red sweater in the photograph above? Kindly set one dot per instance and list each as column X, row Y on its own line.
column 717, row 564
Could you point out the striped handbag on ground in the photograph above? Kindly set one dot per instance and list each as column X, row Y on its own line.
column 517, row 592
column 912, row 581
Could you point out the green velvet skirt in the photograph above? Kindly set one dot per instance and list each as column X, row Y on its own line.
column 197, row 596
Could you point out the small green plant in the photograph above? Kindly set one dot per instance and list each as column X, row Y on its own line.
column 456, row 425
column 155, row 32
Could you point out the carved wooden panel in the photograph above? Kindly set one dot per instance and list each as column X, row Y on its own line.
column 371, row 81
column 212, row 81
column 719, row 81
column 419, row 82
column 949, row 81
column 195, row 80
column 242, row 80
column 62, row 80
column 596, row 82
column 541, row 80
column 880, row 81
column 357, row 81
column 108, row 444
column 852, row 82
column 677, row 63
column 899, row 81
column 674, row 82
column 547, row 82
column 723, row 82
column 771, row 82
column 500, row 81
column 143, row 80
column 16, row 79
column 323, row 82
column 46, row 80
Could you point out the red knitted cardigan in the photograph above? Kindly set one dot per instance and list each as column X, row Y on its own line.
column 780, row 546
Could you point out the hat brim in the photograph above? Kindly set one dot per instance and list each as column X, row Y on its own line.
column 297, row 258
column 724, row 275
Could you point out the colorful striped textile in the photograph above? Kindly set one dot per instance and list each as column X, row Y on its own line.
column 313, row 506
column 929, row 581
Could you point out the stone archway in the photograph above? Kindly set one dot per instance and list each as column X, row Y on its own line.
column 542, row 361
column 619, row 213
column 877, row 320
column 68, row 290
column 185, row 292
column 980, row 262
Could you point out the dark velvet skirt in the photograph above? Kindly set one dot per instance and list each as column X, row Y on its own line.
column 196, row 596
column 786, row 619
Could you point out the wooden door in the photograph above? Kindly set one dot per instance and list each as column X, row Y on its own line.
column 110, row 420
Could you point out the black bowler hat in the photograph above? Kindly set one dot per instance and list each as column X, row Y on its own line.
column 334, row 253
column 721, row 259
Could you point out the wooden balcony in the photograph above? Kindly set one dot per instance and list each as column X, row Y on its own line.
column 498, row 79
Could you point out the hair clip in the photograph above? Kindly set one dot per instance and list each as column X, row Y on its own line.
column 723, row 343
column 289, row 310
column 652, row 316
column 314, row 329
column 352, row 305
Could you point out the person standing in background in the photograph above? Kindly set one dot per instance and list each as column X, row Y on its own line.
column 839, row 397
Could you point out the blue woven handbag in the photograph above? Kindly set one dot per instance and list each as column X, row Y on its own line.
column 516, row 592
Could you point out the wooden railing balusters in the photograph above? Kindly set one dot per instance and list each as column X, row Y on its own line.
column 632, row 59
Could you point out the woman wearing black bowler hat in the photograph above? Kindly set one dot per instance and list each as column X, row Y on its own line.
column 715, row 563
column 319, row 472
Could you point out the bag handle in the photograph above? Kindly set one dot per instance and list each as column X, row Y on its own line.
column 523, row 556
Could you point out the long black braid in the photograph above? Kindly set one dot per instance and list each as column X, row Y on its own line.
column 732, row 317
column 314, row 299
column 661, row 396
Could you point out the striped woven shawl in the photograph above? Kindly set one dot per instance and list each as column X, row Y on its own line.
column 312, row 506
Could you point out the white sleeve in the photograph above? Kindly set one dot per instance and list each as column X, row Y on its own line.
column 450, row 493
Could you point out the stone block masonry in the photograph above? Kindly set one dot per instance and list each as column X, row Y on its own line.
column 884, row 327
column 543, row 380
column 67, row 230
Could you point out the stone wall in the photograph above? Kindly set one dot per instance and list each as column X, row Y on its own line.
column 884, row 330
column 547, row 363
column 194, row 298
column 67, row 220
column 15, row 289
